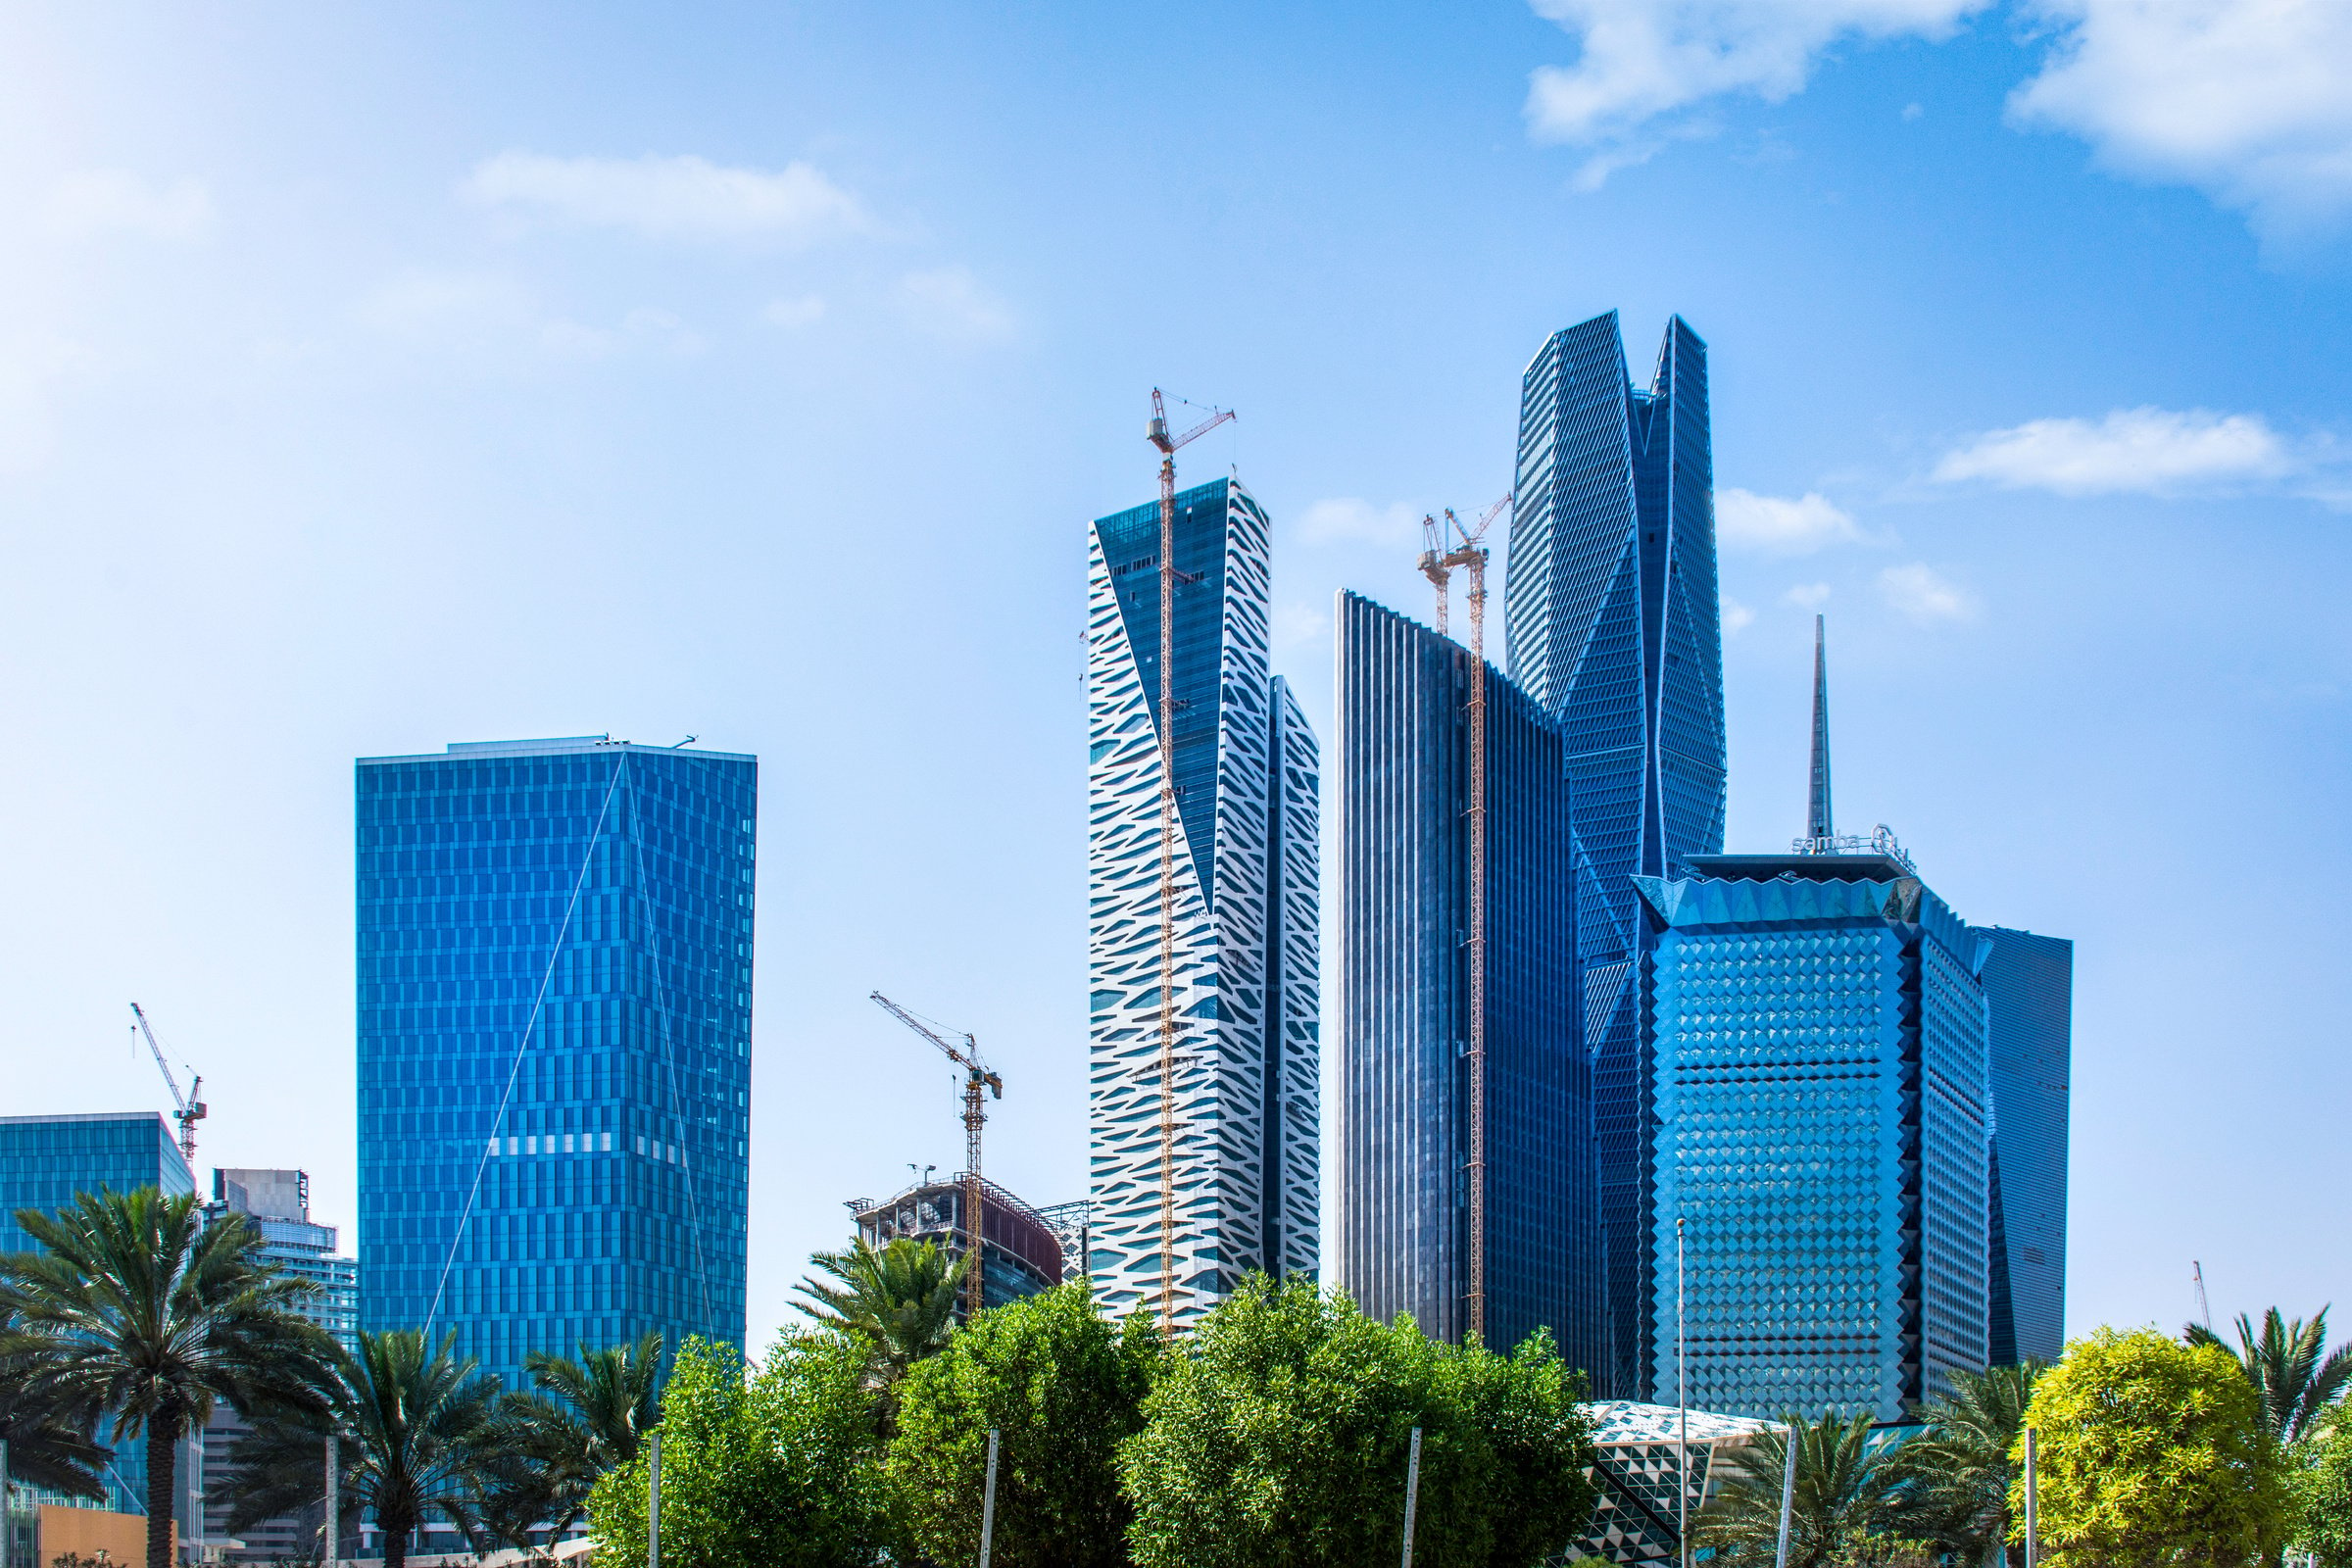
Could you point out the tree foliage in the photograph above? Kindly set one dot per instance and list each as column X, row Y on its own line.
column 897, row 1301
column 2290, row 1366
column 45, row 1448
column 547, row 1447
column 1843, row 1506
column 137, row 1313
column 1531, row 1406
column 780, row 1470
column 1952, row 1480
column 414, row 1421
column 2324, row 1498
column 1064, row 1387
column 2152, row 1452
column 1279, row 1439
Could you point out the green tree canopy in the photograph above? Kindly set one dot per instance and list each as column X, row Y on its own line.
column 1841, row 1511
column 897, row 1301
column 45, row 1447
column 1064, row 1387
column 2152, row 1452
column 137, row 1313
column 1278, row 1438
column 2324, row 1498
column 414, row 1421
column 781, row 1470
column 547, row 1447
column 1952, row 1480
column 2290, row 1366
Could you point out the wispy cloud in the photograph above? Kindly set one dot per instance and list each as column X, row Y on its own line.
column 1926, row 595
column 1350, row 519
column 1807, row 595
column 2248, row 100
column 2145, row 450
column 1774, row 525
column 1736, row 617
column 1642, row 63
column 677, row 198
column 948, row 302
column 1293, row 624
column 486, row 314
column 97, row 202
column 804, row 310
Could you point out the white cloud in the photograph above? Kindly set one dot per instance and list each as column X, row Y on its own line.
column 804, row 311
column 684, row 198
column 1736, row 617
column 1348, row 519
column 1807, row 595
column 1773, row 525
column 481, row 314
column 1926, row 595
column 1293, row 624
column 1641, row 59
column 2249, row 100
column 113, row 201
column 2146, row 450
column 950, row 302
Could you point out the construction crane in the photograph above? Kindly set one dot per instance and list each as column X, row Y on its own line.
column 976, row 1078
column 1444, row 546
column 1157, row 434
column 190, row 1104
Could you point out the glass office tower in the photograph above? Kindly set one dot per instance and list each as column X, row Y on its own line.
column 45, row 1163
column 1821, row 1081
column 555, row 1004
column 1402, row 1232
column 1609, row 604
column 2028, row 995
column 1246, row 1165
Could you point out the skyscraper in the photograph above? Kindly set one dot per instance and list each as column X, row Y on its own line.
column 554, row 990
column 1610, row 609
column 1243, row 1133
column 279, row 1204
column 1820, row 1063
column 45, row 1163
column 1403, row 1109
column 2029, row 996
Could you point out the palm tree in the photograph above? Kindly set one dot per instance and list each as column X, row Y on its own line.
column 1953, row 1479
column 1842, row 1501
column 138, row 1311
column 551, row 1451
column 901, row 1299
column 415, row 1427
column 2290, row 1366
column 44, row 1447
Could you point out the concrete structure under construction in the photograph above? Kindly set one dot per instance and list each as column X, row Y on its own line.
column 1020, row 1255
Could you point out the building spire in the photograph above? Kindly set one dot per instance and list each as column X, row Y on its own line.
column 1817, row 824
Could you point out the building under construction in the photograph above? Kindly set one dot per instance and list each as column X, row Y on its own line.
column 1020, row 1253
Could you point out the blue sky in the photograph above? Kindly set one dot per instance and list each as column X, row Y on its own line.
column 378, row 376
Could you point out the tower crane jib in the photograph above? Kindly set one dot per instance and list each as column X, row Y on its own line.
column 978, row 1081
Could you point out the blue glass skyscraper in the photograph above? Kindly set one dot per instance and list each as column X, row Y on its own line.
column 1821, row 1081
column 1609, row 604
column 2028, row 996
column 45, row 1163
column 1404, row 1107
column 555, row 992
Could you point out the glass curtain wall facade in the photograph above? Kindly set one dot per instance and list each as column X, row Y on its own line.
column 1610, row 610
column 1821, row 1079
column 2029, row 994
column 45, row 1163
column 1401, row 1240
column 555, row 992
column 1246, row 915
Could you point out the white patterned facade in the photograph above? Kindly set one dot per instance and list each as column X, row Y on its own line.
column 1246, row 985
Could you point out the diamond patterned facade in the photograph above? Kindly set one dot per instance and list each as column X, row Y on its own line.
column 1822, row 1079
column 1402, row 1232
column 1245, row 920
column 1646, row 1456
column 1610, row 609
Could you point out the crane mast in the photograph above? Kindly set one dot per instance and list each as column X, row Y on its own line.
column 1157, row 434
column 977, row 1079
column 189, row 1108
column 1444, row 548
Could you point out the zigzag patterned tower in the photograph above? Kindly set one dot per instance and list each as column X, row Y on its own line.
column 1247, row 942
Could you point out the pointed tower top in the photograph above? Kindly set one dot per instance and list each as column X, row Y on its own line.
column 1817, row 815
